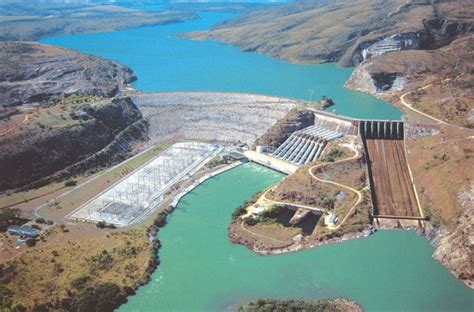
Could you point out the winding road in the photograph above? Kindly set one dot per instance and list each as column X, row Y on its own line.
column 263, row 200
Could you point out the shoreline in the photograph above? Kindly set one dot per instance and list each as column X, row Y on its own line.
column 160, row 221
column 295, row 246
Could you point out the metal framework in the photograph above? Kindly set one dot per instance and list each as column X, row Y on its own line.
column 134, row 197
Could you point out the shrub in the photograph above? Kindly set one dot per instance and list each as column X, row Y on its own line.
column 250, row 221
column 333, row 153
column 103, row 225
column 328, row 202
column 80, row 281
column 30, row 242
column 102, row 297
column 102, row 261
column 238, row 212
column 40, row 220
column 272, row 212
column 70, row 183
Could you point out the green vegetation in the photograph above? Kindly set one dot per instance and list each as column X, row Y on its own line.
column 242, row 209
column 100, row 262
column 70, row 183
column 101, row 297
column 80, row 282
column 7, row 304
column 435, row 220
column 76, row 99
column 239, row 211
column 9, row 216
column 268, row 216
column 274, row 305
column 271, row 213
column 104, row 225
column 220, row 160
column 327, row 200
column 333, row 154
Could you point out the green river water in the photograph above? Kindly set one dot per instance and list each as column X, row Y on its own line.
column 201, row 270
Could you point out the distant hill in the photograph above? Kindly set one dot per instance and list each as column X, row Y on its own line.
column 30, row 21
column 315, row 31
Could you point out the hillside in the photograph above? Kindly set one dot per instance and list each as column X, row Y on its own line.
column 37, row 73
column 56, row 142
column 28, row 21
column 397, row 46
column 312, row 31
column 437, row 82
column 58, row 104
column 440, row 157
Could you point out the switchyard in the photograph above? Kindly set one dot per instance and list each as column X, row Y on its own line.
column 137, row 195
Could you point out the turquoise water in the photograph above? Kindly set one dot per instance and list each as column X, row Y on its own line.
column 201, row 271
column 164, row 62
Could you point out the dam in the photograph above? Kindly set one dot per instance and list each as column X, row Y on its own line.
column 393, row 192
column 391, row 183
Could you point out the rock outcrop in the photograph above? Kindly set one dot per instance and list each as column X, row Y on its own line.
column 439, row 157
column 38, row 156
column 456, row 249
column 295, row 120
column 345, row 31
column 37, row 73
column 440, row 81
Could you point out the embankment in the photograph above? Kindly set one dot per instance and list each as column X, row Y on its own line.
column 229, row 117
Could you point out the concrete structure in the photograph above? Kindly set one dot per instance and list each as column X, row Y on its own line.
column 260, row 149
column 271, row 162
column 381, row 129
column 138, row 194
column 308, row 144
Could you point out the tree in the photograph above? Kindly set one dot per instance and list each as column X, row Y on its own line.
column 8, row 216
column 103, row 297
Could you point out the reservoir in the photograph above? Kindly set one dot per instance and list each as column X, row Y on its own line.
column 164, row 62
column 201, row 270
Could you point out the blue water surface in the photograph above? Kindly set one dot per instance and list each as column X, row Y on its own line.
column 164, row 62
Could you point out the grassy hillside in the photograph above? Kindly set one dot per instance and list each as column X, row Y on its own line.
column 313, row 31
column 29, row 21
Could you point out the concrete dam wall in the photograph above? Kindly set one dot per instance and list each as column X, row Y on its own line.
column 381, row 129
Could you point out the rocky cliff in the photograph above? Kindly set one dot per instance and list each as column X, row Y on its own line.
column 344, row 30
column 37, row 73
column 438, row 82
column 39, row 155
column 439, row 156
column 295, row 120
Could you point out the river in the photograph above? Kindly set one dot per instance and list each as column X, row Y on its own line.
column 200, row 269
